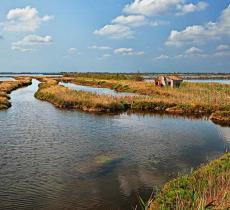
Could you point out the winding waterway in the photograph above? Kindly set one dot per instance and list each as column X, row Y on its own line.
column 100, row 91
column 53, row 159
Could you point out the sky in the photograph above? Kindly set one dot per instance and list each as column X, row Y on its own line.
column 115, row 36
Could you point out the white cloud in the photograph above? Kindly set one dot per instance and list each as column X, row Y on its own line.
column 131, row 20
column 151, row 7
column 100, row 47
column 193, row 50
column 222, row 54
column 222, row 47
column 162, row 57
column 162, row 7
column 115, row 31
column 24, row 20
column 136, row 21
column 72, row 51
column 189, row 8
column 202, row 33
column 128, row 51
column 30, row 42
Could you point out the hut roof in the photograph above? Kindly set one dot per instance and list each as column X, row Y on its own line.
column 174, row 77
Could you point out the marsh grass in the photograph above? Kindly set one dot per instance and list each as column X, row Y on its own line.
column 106, row 76
column 7, row 87
column 221, row 117
column 205, row 188
column 190, row 98
column 64, row 97
column 207, row 97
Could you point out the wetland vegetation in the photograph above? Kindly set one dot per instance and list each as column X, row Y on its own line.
column 7, row 87
column 191, row 191
column 205, row 188
column 190, row 98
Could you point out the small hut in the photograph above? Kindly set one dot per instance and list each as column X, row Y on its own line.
column 168, row 80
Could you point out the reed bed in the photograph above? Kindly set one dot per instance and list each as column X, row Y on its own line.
column 6, row 87
column 66, row 98
column 210, row 96
column 190, row 98
column 205, row 188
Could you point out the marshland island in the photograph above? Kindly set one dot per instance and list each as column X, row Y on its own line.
column 116, row 140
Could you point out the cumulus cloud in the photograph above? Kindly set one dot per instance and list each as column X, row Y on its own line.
column 128, row 51
column 193, row 50
column 116, row 31
column 151, row 7
column 30, row 42
column 162, row 57
column 136, row 21
column 189, row 8
column 131, row 20
column 120, row 27
column 100, row 47
column 161, row 7
column 24, row 20
column 222, row 47
column 202, row 33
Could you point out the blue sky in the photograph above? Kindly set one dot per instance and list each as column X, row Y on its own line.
column 115, row 35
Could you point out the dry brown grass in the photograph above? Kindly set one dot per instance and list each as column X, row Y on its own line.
column 64, row 97
column 190, row 98
column 7, row 87
column 208, row 97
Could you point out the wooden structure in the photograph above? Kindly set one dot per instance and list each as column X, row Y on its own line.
column 168, row 80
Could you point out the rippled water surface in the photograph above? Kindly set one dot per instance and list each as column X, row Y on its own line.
column 55, row 160
column 100, row 91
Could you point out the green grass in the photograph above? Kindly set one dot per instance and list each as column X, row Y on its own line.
column 205, row 188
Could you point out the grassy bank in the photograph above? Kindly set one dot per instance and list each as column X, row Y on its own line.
column 6, row 87
column 190, row 98
column 221, row 117
column 66, row 98
column 205, row 188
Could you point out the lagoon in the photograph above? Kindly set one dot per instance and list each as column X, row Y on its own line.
column 57, row 159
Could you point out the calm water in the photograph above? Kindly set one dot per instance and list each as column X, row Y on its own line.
column 56, row 160
column 209, row 81
column 6, row 78
column 100, row 91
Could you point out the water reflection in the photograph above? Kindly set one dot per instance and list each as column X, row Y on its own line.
column 55, row 159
